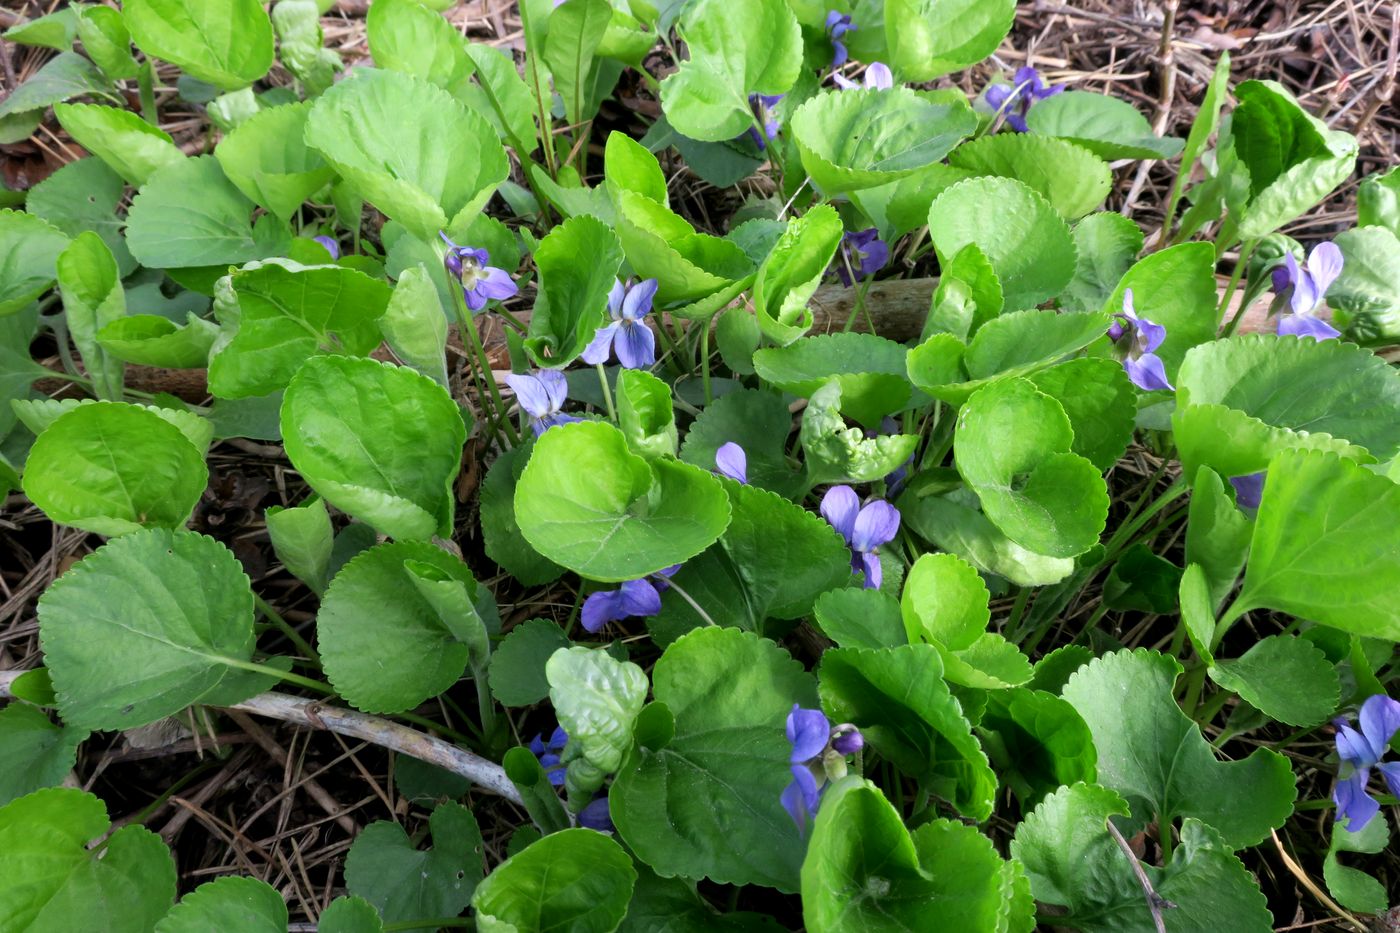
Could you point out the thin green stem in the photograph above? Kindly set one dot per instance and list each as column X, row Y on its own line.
column 484, row 704
column 1019, row 609
column 607, row 392
column 468, row 327
column 460, row 923
column 1246, row 252
column 284, row 676
column 286, row 628
column 146, row 85
column 705, row 359
column 693, row 604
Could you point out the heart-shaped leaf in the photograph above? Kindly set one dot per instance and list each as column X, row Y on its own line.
column 229, row 903
column 1070, row 177
column 838, row 453
column 870, row 370
column 760, row 423
column 578, row 263
column 573, row 881
column 930, row 38
column 130, row 146
column 30, row 248
column 269, row 161
column 1104, row 125
column 387, row 869
column 227, row 44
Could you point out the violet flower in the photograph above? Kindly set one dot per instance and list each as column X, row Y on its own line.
column 1249, row 489
column 1015, row 100
column 480, row 282
column 818, row 754
column 542, row 396
column 1362, row 751
column 895, row 479
column 1143, row 337
column 760, row 104
column 596, row 815
column 878, row 77
column 628, row 334
column 548, row 753
column 330, row 244
column 864, row 529
column 1301, row 289
column 640, row 597
column 862, row 253
column 731, row 461
column 837, row 25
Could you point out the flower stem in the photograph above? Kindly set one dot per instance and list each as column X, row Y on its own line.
column 286, row 628
column 1246, row 251
column 286, row 676
column 693, row 604
column 146, row 84
column 607, row 393
column 468, row 328
column 705, row 359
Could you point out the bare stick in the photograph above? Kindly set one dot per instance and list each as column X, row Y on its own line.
column 1155, row 902
column 487, row 775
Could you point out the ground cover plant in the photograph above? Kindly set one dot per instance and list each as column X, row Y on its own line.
column 669, row 571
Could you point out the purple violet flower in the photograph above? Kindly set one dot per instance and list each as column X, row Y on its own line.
column 837, row 25
column 1249, row 489
column 1301, row 289
column 878, row 77
column 894, row 480
column 542, row 396
column 596, row 815
column 731, row 461
column 818, row 754
column 863, row 253
column 640, row 597
column 548, row 753
column 480, row 282
column 1015, row 100
column 1143, row 365
column 760, row 104
column 330, row 244
column 628, row 334
column 864, row 529
column 1362, row 751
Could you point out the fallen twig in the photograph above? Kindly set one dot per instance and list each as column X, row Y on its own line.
column 1156, row 903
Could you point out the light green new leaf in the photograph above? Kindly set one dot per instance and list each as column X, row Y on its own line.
column 944, row 602
column 628, row 166
column 29, row 251
column 153, row 340
column 1100, row 402
column 792, row 271
column 687, row 265
column 870, row 370
column 406, row 36
column 759, row 422
column 407, row 883
column 348, row 914
column 85, row 195
column 931, row 38
column 113, row 468
column 299, row 44
column 1070, row 177
column 1104, row 125
column 144, row 626
column 415, row 326
column 55, row 881
column 90, row 283
column 574, row 881
column 576, row 27
column 1037, row 742
column 1284, row 677
column 302, row 539
column 34, row 753
column 507, row 94
column 586, row 502
column 54, row 30
column 597, row 699
column 377, row 441
column 1353, row 888
column 1365, row 299
column 1025, row 240
column 427, row 181
column 578, row 263
column 968, row 295
column 1324, row 545
column 838, row 453
column 1155, row 756
column 1105, row 244
column 229, row 903
column 226, row 43
column 645, row 414
column 130, row 146
column 1217, row 536
column 754, row 48
column 1174, row 287
column 269, row 161
column 107, row 41
column 706, row 805
column 859, row 618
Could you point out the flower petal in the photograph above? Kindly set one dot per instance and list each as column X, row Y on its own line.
column 635, row 345
column 840, row 506
column 997, row 95
column 638, row 301
column 792, row 802
column 1147, row 372
column 1353, row 803
column 596, row 816
column 556, row 386
column 600, row 348
column 1390, row 770
column 1307, row 325
column 843, row 82
column 1353, row 747
column 640, row 598
column 879, row 76
column 1380, row 720
column 876, row 524
column 1248, row 489
column 732, row 462
column 531, row 393
column 600, row 608
column 330, row 244
column 839, row 53
column 474, row 298
column 615, row 296
column 1325, row 264
column 496, row 283
column 1152, row 334
column 807, row 782
column 808, row 730
column 1129, row 311
column 874, row 572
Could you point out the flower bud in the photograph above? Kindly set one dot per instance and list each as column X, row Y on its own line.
column 848, row 743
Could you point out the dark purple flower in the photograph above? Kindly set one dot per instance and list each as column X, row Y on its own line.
column 878, row 77
column 1362, row 751
column 542, row 397
column 596, row 815
column 761, row 104
column 1301, row 290
column 731, row 461
column 628, row 334
column 818, row 753
column 837, row 25
column 848, row 743
column 330, row 244
column 1143, row 337
column 1015, row 100
column 894, row 481
column 863, row 253
column 1249, row 489
column 634, row 598
column 480, row 282
column 548, row 753
column 864, row 529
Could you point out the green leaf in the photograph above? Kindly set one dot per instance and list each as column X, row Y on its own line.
column 644, row 413
column 1022, row 236
column 415, row 326
column 153, row 340
column 107, row 41
column 792, row 271
column 628, row 166
column 586, row 502
column 706, row 805
column 850, row 140
column 944, row 602
column 898, row 698
column 34, row 753
column 661, row 244
column 1353, row 888
column 54, row 31
column 230, row 903
column 84, row 195
column 1365, row 299
column 1243, row 399
column 68, row 75
column 90, row 283
column 1105, row 245
column 130, row 146
column 1378, row 201
column 518, row 665
column 1174, row 287
column 54, row 881
column 1071, row 178
column 114, row 468
column 387, row 869
column 1142, row 581
column 302, row 539
column 30, row 249
column 507, row 94
column 1323, row 545
column 376, row 441
column 576, row 28
column 1217, row 536
column 1012, row 446
column 189, row 214
column 227, row 44
column 578, row 263
column 757, row 421
column 672, row 905
column 349, row 914
column 837, row 453
column 574, row 881
column 865, row 872
column 1073, row 862
column 968, row 295
column 383, row 642
column 428, row 181
column 144, row 626
column 297, row 24
column 538, row 795
column 406, row 36
column 1285, row 678
column 500, row 531
column 1104, row 125
column 1037, row 742
column 1155, row 756
column 860, row 618
column 931, row 38
column 755, row 48
column 266, row 157
column 597, row 699
column 285, row 314
column 1100, row 403
column 870, row 370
